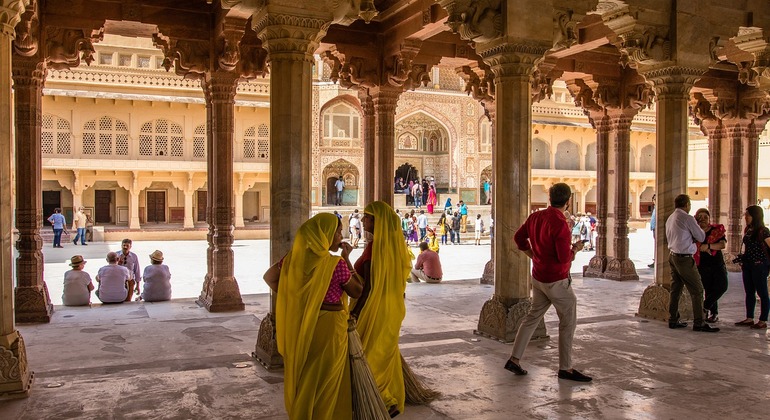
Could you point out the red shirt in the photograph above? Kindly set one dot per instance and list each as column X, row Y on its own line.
column 429, row 262
column 546, row 233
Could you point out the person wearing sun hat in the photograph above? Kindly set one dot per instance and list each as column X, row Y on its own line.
column 77, row 284
column 157, row 279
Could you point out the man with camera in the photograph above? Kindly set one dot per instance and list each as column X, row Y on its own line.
column 682, row 231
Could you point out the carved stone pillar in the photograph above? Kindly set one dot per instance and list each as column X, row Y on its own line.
column 369, row 140
column 672, row 87
column 77, row 191
column 33, row 303
column 15, row 376
column 598, row 262
column 189, row 193
column 512, row 65
column 384, row 100
column 488, row 277
column 221, row 293
column 290, row 42
column 238, row 195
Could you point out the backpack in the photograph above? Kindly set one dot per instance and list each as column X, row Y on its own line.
column 583, row 229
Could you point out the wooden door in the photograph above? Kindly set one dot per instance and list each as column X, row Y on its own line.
column 102, row 206
column 51, row 200
column 202, row 201
column 331, row 191
column 156, row 206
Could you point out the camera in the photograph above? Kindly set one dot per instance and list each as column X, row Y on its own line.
column 738, row 259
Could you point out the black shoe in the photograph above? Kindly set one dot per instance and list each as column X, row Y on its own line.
column 513, row 367
column 75, row 242
column 574, row 376
column 83, row 244
column 651, row 265
column 705, row 328
column 675, row 325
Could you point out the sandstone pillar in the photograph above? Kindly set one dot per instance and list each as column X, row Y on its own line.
column 672, row 87
column 512, row 66
column 369, row 140
column 598, row 262
column 77, row 191
column 15, row 376
column 488, row 277
column 189, row 193
column 133, row 202
column 33, row 303
column 238, row 195
column 220, row 290
column 384, row 100
column 290, row 48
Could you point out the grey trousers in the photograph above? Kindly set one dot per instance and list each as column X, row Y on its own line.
column 685, row 274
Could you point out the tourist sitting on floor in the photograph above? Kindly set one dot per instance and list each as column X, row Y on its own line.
column 157, row 279
column 427, row 267
column 113, row 281
column 77, row 284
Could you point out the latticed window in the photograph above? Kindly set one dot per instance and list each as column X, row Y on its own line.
column 263, row 142
column 161, row 138
column 199, row 142
column 105, row 136
column 249, row 143
column 56, row 136
column 486, row 136
column 256, row 143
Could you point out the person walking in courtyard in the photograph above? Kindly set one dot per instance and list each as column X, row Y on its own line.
column 417, row 195
column 653, row 224
column 311, row 320
column 355, row 228
column 425, row 191
column 456, row 222
column 682, row 233
column 442, row 228
column 463, row 217
column 711, row 264
column 755, row 265
column 59, row 223
column 77, row 284
column 487, row 197
column 339, row 185
column 157, row 280
column 478, row 229
column 79, row 222
column 432, row 200
column 422, row 224
column 545, row 238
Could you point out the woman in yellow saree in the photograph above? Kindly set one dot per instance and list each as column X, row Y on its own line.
column 311, row 321
column 385, row 266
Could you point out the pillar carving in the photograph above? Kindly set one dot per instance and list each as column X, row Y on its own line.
column 189, row 192
column 369, row 139
column 384, row 101
column 133, row 201
column 672, row 87
column 15, row 376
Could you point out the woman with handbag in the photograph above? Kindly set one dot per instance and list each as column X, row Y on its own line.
column 756, row 266
column 711, row 264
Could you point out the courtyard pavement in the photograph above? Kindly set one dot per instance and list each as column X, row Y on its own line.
column 174, row 360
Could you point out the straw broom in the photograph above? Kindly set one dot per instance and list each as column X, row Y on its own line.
column 416, row 392
column 367, row 403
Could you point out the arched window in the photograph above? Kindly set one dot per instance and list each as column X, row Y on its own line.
column 486, row 136
column 647, row 159
column 105, row 136
column 567, row 156
column 199, row 142
column 256, row 143
column 56, row 136
column 591, row 157
column 341, row 121
column 541, row 155
column 161, row 138
column 422, row 132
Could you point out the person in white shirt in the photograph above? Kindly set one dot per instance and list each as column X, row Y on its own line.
column 355, row 228
column 157, row 279
column 422, row 224
column 77, row 284
column 682, row 231
column 478, row 225
column 113, row 281
column 339, row 185
column 79, row 225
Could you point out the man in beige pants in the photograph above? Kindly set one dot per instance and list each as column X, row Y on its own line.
column 545, row 238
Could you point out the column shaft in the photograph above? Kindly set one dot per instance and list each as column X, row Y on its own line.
column 33, row 303
column 369, row 139
column 133, row 209
column 239, row 208
column 598, row 263
column 488, row 277
column 188, row 209
column 384, row 101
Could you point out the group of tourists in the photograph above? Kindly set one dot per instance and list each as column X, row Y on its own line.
column 419, row 193
column 59, row 223
column 118, row 280
column 583, row 228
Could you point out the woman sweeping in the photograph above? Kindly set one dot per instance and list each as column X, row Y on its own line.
column 311, row 320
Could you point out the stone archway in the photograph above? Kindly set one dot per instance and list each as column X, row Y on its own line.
column 486, row 175
column 349, row 173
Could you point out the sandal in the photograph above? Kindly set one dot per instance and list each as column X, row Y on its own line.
column 746, row 322
column 761, row 325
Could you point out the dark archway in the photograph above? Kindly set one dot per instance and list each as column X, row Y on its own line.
column 405, row 172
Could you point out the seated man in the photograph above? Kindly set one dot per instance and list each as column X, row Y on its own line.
column 113, row 281
column 427, row 267
column 77, row 284
column 157, row 279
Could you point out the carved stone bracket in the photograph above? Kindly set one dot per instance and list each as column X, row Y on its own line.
column 27, row 41
column 480, row 85
column 501, row 322
column 190, row 59
column 564, row 29
column 642, row 47
column 480, row 21
column 15, row 376
column 65, row 47
column 266, row 349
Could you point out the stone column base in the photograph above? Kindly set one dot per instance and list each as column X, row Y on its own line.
column 15, row 377
column 655, row 301
column 620, row 269
column 595, row 267
column 489, row 273
column 221, row 295
column 33, row 304
column 266, row 350
column 501, row 322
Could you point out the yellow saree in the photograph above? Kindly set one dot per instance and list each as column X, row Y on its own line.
column 313, row 342
column 379, row 323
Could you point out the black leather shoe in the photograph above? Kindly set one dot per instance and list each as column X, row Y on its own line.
column 574, row 376
column 675, row 325
column 705, row 328
column 513, row 367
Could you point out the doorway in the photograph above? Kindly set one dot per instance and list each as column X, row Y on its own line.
column 156, row 206
column 202, row 202
column 51, row 200
column 103, row 206
column 331, row 191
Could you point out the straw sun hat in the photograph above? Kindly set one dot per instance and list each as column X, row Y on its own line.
column 76, row 260
column 156, row 256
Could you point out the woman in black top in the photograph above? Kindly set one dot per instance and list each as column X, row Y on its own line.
column 711, row 264
column 756, row 266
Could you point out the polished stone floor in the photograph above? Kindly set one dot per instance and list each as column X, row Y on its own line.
column 174, row 360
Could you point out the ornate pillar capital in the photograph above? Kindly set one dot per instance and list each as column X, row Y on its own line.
column 512, row 58
column 674, row 82
column 10, row 15
column 289, row 36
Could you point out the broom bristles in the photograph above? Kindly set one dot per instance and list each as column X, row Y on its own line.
column 367, row 402
column 416, row 392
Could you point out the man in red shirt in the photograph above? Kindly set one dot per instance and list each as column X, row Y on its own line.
column 427, row 267
column 545, row 238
